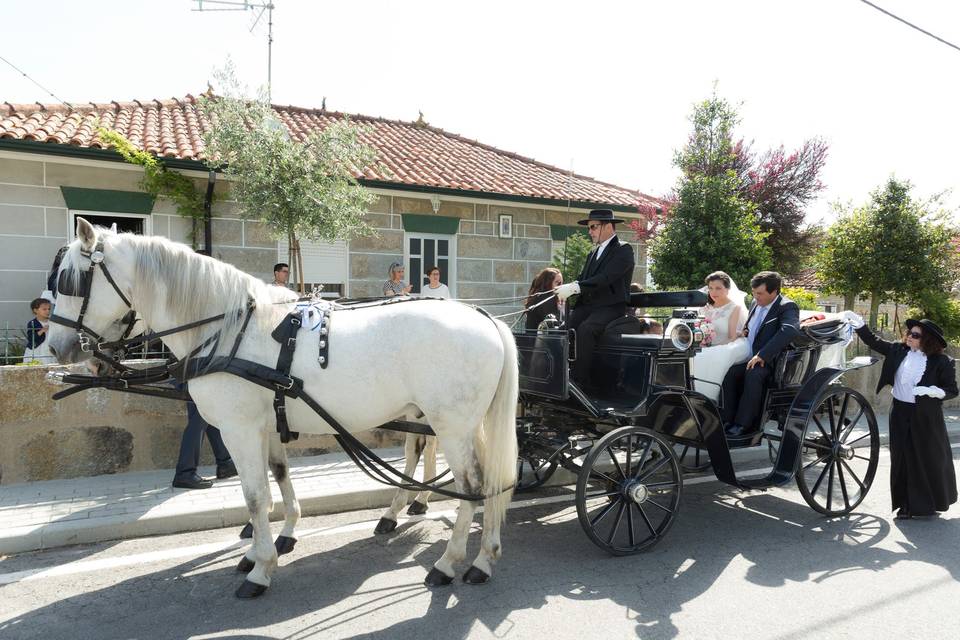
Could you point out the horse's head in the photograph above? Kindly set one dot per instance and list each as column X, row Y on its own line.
column 92, row 290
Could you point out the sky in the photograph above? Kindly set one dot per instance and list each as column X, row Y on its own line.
column 603, row 87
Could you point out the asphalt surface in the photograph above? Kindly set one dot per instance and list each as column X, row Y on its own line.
column 735, row 564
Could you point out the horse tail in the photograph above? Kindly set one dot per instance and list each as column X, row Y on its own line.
column 499, row 457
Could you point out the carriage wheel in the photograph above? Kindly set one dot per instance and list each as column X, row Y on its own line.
column 629, row 489
column 533, row 470
column 841, row 447
column 692, row 459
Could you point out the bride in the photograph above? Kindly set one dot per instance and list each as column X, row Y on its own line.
column 725, row 315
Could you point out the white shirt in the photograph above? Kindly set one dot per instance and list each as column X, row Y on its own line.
column 603, row 246
column 440, row 292
column 908, row 375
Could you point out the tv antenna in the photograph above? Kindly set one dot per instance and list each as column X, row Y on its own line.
column 247, row 5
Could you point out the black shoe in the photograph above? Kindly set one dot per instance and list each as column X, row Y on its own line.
column 195, row 482
column 226, row 470
column 734, row 431
column 902, row 514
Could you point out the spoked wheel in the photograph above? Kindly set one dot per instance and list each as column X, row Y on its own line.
column 629, row 489
column 841, row 446
column 533, row 470
column 692, row 459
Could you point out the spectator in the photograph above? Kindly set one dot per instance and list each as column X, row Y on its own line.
column 395, row 286
column 653, row 327
column 186, row 476
column 547, row 280
column 281, row 274
column 435, row 288
column 36, row 348
column 923, row 480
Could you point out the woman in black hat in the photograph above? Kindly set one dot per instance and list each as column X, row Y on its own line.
column 922, row 477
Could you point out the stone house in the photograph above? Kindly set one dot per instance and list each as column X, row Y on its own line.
column 490, row 219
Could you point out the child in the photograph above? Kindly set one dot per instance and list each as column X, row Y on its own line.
column 37, row 333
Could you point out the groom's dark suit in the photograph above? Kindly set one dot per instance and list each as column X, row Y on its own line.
column 604, row 293
column 742, row 387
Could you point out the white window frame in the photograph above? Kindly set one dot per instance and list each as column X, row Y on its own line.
column 451, row 256
column 73, row 213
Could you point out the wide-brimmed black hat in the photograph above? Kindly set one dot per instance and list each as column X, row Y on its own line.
column 930, row 327
column 600, row 215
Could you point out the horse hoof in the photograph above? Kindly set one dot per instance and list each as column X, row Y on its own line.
column 247, row 531
column 284, row 544
column 249, row 590
column 416, row 509
column 245, row 565
column 475, row 576
column 386, row 525
column 437, row 578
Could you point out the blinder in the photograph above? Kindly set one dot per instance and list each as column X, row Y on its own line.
column 71, row 283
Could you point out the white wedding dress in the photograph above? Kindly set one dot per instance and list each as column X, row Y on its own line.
column 712, row 363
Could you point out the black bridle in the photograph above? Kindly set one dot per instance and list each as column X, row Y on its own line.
column 69, row 283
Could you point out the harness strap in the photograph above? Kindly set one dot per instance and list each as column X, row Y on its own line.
column 286, row 335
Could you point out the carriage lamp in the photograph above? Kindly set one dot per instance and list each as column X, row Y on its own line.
column 682, row 337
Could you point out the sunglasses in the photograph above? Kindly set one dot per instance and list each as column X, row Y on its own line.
column 594, row 226
column 914, row 335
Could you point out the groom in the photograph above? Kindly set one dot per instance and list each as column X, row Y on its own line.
column 772, row 323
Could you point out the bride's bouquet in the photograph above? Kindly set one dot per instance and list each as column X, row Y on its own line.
column 709, row 332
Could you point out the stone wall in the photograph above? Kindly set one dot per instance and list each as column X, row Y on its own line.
column 99, row 432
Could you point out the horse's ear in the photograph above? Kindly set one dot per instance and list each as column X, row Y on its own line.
column 87, row 235
column 113, row 227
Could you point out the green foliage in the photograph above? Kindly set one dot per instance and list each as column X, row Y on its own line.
column 711, row 226
column 937, row 306
column 804, row 299
column 159, row 181
column 299, row 188
column 571, row 258
column 892, row 248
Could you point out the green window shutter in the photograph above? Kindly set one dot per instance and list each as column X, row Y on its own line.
column 430, row 224
column 107, row 200
column 562, row 231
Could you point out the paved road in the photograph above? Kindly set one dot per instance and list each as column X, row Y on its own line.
column 757, row 565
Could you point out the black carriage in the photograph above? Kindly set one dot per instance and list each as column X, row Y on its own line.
column 641, row 425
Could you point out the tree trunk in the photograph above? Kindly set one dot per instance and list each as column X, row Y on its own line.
column 874, row 308
column 848, row 301
column 299, row 258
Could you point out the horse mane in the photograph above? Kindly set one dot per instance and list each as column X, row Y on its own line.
column 170, row 276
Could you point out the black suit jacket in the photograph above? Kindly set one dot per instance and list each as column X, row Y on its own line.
column 781, row 325
column 606, row 282
column 940, row 372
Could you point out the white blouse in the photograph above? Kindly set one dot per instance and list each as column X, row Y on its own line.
column 908, row 375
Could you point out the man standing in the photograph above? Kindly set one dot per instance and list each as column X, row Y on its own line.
column 772, row 323
column 281, row 273
column 603, row 286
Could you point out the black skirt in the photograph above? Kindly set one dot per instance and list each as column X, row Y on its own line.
column 922, row 476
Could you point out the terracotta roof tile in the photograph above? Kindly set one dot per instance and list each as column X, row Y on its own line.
column 412, row 153
column 805, row 279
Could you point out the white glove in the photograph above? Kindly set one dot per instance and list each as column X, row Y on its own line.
column 564, row 291
column 933, row 392
column 855, row 320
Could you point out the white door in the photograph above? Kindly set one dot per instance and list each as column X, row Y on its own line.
column 425, row 250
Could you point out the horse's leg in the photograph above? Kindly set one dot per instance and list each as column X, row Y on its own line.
column 411, row 451
column 458, row 449
column 250, row 452
column 419, row 504
column 291, row 507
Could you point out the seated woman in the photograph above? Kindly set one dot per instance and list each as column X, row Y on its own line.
column 540, row 306
column 724, row 318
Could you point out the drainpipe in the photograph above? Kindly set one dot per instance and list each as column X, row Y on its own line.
column 208, row 214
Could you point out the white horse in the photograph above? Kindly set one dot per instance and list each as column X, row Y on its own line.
column 414, row 445
column 371, row 377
